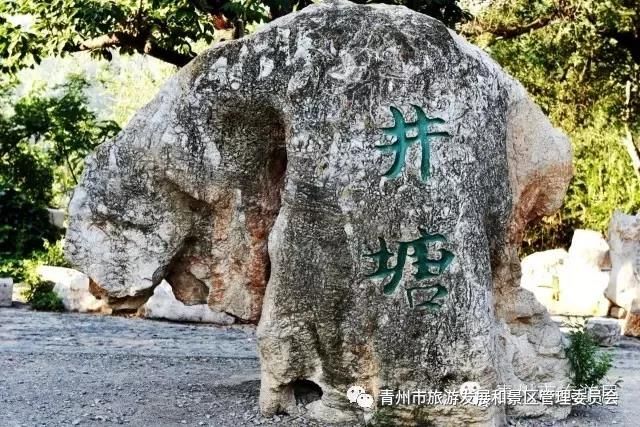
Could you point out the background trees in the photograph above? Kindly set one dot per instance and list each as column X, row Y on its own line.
column 579, row 59
column 166, row 29
column 43, row 141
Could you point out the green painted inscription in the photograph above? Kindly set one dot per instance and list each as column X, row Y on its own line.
column 400, row 131
column 426, row 267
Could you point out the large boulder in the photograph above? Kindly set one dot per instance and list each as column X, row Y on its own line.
column 624, row 285
column 377, row 171
column 541, row 272
column 589, row 248
column 571, row 283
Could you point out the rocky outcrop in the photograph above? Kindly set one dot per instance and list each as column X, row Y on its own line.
column 377, row 171
column 571, row 283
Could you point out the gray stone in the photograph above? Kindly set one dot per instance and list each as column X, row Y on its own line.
column 6, row 292
column 605, row 331
column 260, row 162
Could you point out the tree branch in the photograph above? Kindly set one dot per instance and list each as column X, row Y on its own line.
column 140, row 44
column 167, row 55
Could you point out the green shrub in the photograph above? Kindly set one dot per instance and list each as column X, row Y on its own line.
column 588, row 364
column 44, row 138
column 39, row 293
column 12, row 267
column 53, row 254
column 24, row 269
column 578, row 75
column 40, row 296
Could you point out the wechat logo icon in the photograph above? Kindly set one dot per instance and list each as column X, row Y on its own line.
column 357, row 394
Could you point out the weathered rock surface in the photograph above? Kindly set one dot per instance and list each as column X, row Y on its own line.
column 263, row 160
column 6, row 292
column 605, row 331
column 164, row 305
column 624, row 240
column 72, row 287
column 631, row 327
column 590, row 248
column 617, row 312
column 573, row 283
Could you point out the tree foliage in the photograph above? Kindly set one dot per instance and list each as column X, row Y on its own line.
column 39, row 133
column 161, row 28
column 24, row 228
column 42, row 138
column 576, row 58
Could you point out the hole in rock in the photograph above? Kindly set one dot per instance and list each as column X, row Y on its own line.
column 306, row 391
column 185, row 286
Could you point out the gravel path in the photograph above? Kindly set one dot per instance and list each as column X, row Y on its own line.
column 89, row 370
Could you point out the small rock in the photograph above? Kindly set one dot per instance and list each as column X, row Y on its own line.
column 605, row 331
column 617, row 312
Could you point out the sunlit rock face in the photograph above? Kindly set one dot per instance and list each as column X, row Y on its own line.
column 358, row 178
column 624, row 286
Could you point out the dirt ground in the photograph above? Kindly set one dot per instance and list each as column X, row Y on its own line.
column 89, row 370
